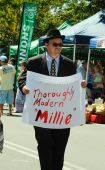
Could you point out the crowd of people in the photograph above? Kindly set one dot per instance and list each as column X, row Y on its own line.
column 12, row 95
column 95, row 79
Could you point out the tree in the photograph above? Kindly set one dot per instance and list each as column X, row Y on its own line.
column 50, row 15
column 9, row 21
column 11, row 12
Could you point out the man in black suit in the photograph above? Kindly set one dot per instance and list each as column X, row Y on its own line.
column 51, row 142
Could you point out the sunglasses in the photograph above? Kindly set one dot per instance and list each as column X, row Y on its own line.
column 56, row 44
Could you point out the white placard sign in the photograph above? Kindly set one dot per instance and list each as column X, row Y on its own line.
column 100, row 43
column 54, row 102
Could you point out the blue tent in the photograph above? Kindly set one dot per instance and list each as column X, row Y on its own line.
column 98, row 42
column 85, row 30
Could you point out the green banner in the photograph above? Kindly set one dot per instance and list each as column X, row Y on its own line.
column 27, row 26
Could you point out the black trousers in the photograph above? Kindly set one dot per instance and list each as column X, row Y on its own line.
column 51, row 147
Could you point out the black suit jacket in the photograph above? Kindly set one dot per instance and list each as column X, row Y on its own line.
column 38, row 64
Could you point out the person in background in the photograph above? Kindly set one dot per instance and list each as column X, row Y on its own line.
column 20, row 97
column 90, row 84
column 98, row 82
column 7, row 74
column 51, row 142
column 103, row 85
column 1, row 136
column 12, row 61
column 22, row 69
column 81, row 68
column 0, row 63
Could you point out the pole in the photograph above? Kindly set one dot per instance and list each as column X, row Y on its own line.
column 87, row 70
column 74, row 51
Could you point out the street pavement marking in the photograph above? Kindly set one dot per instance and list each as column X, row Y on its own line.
column 21, row 160
column 22, row 152
column 34, row 154
column 65, row 168
column 21, row 147
column 74, row 166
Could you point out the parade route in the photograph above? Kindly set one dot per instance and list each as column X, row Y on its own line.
column 85, row 149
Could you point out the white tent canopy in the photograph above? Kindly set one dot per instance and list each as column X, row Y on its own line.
column 93, row 26
column 98, row 42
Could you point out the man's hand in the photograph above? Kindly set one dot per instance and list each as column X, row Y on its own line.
column 25, row 90
column 84, row 84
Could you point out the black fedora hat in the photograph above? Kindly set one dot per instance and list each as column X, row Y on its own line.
column 54, row 33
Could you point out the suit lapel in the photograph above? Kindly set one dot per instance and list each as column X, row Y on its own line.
column 44, row 65
column 60, row 67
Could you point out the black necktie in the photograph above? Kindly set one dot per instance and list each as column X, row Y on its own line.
column 53, row 68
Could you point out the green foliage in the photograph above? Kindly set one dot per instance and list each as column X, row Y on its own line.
column 51, row 14
column 9, row 22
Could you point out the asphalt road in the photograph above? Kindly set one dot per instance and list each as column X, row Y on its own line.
column 85, row 149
